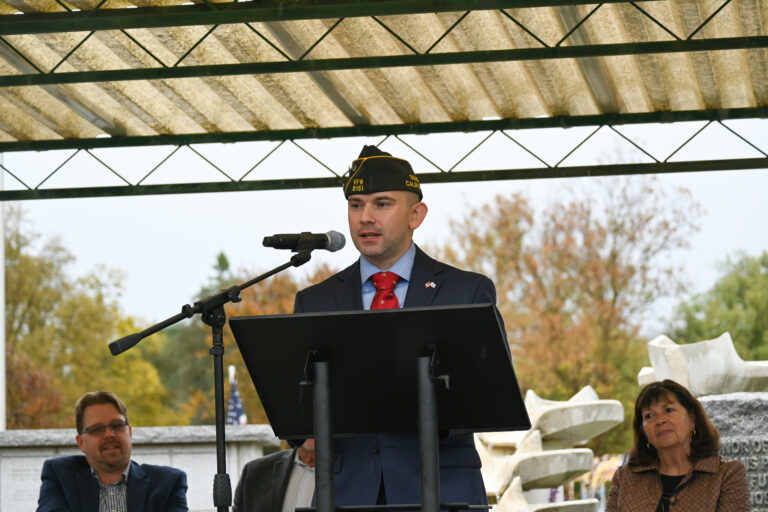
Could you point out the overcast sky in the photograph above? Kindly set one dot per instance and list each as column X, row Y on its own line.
column 166, row 245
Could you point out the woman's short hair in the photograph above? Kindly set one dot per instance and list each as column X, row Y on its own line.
column 97, row 398
column 704, row 443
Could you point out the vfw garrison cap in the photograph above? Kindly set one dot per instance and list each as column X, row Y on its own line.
column 376, row 171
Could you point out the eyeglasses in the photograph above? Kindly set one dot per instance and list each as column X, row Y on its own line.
column 117, row 427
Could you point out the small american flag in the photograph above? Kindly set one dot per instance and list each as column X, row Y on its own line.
column 235, row 413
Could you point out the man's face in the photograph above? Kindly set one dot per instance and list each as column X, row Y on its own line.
column 107, row 452
column 382, row 224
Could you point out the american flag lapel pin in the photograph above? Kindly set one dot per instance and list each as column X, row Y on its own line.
column 429, row 284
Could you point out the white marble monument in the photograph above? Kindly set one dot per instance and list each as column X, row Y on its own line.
column 516, row 464
column 574, row 422
column 709, row 367
column 514, row 501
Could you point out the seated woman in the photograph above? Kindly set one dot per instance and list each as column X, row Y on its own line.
column 674, row 464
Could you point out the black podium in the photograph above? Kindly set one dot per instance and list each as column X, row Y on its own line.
column 329, row 374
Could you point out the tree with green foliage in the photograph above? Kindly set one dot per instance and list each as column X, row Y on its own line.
column 181, row 355
column 737, row 303
column 57, row 334
column 574, row 280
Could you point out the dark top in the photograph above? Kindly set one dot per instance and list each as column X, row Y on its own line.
column 668, row 486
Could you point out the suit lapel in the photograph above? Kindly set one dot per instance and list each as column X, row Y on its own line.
column 280, row 476
column 88, row 490
column 424, row 274
column 348, row 291
column 137, row 492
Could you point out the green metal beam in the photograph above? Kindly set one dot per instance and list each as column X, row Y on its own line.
column 392, row 129
column 236, row 12
column 448, row 177
column 388, row 61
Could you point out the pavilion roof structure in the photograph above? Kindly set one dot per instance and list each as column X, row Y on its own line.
column 80, row 75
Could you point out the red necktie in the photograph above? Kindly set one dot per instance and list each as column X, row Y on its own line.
column 385, row 297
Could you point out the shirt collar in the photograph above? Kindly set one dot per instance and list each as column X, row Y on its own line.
column 707, row 465
column 298, row 462
column 402, row 267
column 126, row 471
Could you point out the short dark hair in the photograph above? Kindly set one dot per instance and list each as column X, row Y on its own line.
column 97, row 398
column 706, row 442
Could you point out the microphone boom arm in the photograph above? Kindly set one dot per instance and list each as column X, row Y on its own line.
column 206, row 304
column 211, row 310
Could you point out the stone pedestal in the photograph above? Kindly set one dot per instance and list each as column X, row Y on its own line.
column 741, row 420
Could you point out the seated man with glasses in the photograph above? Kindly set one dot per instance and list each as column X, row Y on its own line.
column 106, row 479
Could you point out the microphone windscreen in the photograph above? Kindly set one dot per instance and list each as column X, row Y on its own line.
column 336, row 241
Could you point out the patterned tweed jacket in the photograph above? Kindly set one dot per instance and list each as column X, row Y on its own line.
column 714, row 484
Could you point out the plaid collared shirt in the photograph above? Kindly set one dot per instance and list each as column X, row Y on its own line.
column 113, row 497
column 714, row 484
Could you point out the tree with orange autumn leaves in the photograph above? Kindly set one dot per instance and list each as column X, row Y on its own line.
column 182, row 356
column 574, row 281
column 272, row 297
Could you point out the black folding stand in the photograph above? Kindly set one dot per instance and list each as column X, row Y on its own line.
column 211, row 310
column 455, row 357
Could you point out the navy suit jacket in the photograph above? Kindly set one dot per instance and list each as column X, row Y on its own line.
column 69, row 486
column 262, row 484
column 362, row 461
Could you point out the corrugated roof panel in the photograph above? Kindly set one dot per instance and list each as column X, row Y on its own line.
column 371, row 95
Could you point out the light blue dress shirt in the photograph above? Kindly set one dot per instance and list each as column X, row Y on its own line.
column 402, row 267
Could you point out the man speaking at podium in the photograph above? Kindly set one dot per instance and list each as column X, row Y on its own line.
column 384, row 208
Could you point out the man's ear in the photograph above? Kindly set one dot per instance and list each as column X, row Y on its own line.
column 418, row 213
column 80, row 442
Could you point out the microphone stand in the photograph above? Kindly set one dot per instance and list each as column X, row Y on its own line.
column 211, row 310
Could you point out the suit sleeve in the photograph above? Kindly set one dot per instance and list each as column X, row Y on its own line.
column 237, row 506
column 485, row 292
column 51, row 493
column 177, row 499
column 298, row 307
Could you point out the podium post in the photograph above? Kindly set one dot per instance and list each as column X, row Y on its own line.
column 323, row 449
column 428, row 446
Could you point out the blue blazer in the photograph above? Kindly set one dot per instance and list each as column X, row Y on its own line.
column 362, row 461
column 69, row 486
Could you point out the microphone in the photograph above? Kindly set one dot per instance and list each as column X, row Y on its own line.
column 330, row 241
